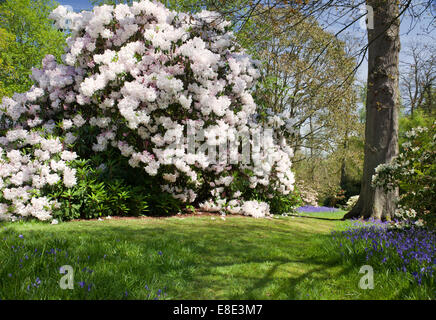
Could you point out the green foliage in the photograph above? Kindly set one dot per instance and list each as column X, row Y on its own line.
column 407, row 122
column 278, row 203
column 107, row 186
column 163, row 204
column 6, row 69
column 351, row 186
column 352, row 165
column 94, row 196
column 328, row 174
column 26, row 36
column 414, row 172
column 338, row 199
column 285, row 204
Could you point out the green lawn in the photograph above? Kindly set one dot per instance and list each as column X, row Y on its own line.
column 186, row 258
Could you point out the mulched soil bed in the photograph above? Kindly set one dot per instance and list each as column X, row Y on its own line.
column 180, row 216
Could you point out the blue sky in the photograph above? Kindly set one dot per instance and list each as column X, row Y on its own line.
column 416, row 31
column 77, row 5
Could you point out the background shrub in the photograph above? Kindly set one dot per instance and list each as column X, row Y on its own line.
column 414, row 173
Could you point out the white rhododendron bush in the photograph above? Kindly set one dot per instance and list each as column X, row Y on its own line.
column 141, row 79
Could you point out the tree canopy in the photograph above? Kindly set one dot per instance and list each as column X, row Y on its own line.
column 26, row 36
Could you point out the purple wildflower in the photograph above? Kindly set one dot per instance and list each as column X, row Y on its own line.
column 316, row 209
column 411, row 250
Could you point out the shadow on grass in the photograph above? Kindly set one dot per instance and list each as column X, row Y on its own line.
column 197, row 259
column 229, row 259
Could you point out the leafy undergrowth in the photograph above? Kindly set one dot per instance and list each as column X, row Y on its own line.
column 187, row 258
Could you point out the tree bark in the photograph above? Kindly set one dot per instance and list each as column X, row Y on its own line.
column 382, row 105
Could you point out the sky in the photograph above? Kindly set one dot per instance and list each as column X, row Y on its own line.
column 77, row 5
column 417, row 34
column 411, row 30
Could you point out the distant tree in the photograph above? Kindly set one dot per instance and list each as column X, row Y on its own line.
column 319, row 96
column 418, row 79
column 27, row 35
column 6, row 69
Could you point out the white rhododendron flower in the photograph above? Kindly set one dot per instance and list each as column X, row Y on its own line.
column 139, row 78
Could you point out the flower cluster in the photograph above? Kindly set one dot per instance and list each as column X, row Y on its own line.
column 137, row 79
column 309, row 196
column 316, row 209
column 29, row 161
column 414, row 172
column 351, row 202
column 254, row 208
column 411, row 250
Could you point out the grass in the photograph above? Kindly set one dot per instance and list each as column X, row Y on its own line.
column 187, row 258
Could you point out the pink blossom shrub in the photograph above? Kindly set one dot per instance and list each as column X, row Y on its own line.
column 141, row 79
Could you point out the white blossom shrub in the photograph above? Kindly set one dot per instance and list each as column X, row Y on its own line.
column 413, row 171
column 309, row 196
column 351, row 202
column 30, row 161
column 142, row 79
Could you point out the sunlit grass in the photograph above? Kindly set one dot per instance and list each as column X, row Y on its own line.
column 185, row 258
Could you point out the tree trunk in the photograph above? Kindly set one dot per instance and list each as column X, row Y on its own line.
column 382, row 104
